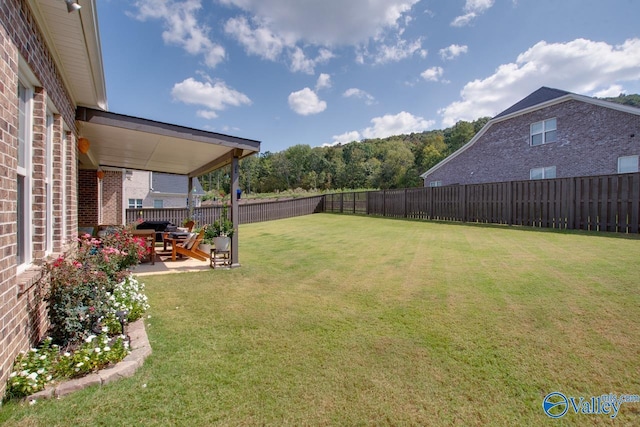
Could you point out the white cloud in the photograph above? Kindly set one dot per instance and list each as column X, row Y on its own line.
column 581, row 66
column 306, row 102
column 181, row 27
column 345, row 138
column 385, row 126
column 611, row 91
column 324, row 81
column 360, row 94
column 472, row 9
column 326, row 25
column 260, row 41
column 214, row 97
column 328, row 22
column 400, row 123
column 399, row 51
column 432, row 74
column 300, row 62
column 453, row 51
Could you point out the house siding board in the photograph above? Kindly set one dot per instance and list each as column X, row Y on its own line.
column 23, row 319
column 590, row 138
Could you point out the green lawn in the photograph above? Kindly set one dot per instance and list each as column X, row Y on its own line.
column 339, row 320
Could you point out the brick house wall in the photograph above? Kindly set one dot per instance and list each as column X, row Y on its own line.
column 88, row 197
column 22, row 48
column 590, row 138
column 112, row 198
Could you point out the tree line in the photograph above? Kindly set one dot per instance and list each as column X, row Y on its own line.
column 383, row 163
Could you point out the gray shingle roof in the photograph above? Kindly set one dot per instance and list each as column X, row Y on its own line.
column 173, row 184
column 541, row 95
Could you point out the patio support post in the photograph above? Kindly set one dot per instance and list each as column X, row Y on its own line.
column 190, row 197
column 235, row 186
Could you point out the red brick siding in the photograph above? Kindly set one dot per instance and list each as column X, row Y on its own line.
column 22, row 312
column 88, row 197
column 590, row 139
column 112, row 197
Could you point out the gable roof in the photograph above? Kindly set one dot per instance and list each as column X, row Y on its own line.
column 541, row 98
column 173, row 184
column 541, row 95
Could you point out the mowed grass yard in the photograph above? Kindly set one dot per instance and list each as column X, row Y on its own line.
column 340, row 320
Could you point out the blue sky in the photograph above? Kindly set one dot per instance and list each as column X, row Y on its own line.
column 319, row 72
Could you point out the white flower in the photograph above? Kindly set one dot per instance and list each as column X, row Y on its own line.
column 79, row 364
column 33, row 375
column 107, row 348
column 105, row 329
column 43, row 357
column 97, row 350
column 13, row 374
column 90, row 338
column 67, row 354
column 41, row 371
column 32, row 402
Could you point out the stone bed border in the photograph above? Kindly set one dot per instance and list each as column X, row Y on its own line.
column 140, row 349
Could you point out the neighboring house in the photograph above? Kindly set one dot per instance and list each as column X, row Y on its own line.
column 549, row 134
column 63, row 156
column 144, row 189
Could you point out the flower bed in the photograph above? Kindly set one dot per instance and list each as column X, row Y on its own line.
column 90, row 295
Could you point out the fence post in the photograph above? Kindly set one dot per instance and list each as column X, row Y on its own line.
column 406, row 204
column 571, row 220
column 635, row 204
column 463, row 199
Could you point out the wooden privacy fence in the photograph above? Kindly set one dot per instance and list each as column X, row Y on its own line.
column 601, row 203
column 248, row 212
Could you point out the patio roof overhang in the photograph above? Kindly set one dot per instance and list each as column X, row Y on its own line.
column 129, row 142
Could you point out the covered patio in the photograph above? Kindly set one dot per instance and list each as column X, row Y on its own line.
column 111, row 144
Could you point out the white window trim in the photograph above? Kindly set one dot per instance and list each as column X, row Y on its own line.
column 543, row 132
column 135, row 203
column 435, row 183
column 63, row 187
column 26, row 171
column 622, row 158
column 545, row 171
column 48, row 182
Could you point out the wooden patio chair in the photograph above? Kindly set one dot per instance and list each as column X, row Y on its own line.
column 189, row 225
column 189, row 248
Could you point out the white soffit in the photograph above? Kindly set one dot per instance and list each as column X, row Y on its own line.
column 133, row 143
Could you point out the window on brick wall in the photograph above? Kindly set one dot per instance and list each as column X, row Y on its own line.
column 158, row 203
column 543, row 132
column 24, row 173
column 135, row 203
column 48, row 185
column 627, row 164
column 543, row 173
column 435, row 184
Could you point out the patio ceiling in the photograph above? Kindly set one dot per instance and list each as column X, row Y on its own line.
column 129, row 142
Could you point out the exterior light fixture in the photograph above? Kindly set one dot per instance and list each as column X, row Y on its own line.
column 83, row 145
column 121, row 315
column 72, row 5
column 100, row 173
